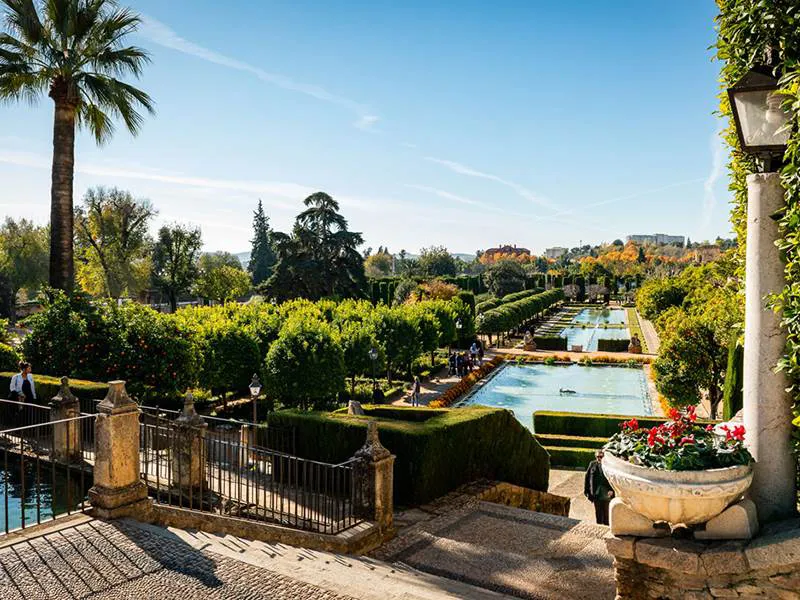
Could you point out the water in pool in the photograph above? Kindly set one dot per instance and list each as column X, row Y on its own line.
column 16, row 495
column 587, row 327
column 526, row 389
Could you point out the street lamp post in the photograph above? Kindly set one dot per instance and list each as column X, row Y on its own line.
column 762, row 126
column 255, row 390
column 373, row 356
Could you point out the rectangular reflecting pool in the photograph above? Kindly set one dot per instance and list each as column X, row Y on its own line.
column 589, row 326
column 524, row 389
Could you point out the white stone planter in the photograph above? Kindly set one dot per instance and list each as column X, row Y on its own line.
column 687, row 497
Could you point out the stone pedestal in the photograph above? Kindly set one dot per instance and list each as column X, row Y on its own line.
column 118, row 489
column 188, row 448
column 376, row 475
column 766, row 567
column 767, row 406
column 66, row 435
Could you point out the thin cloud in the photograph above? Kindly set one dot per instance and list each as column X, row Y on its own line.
column 445, row 194
column 717, row 161
column 159, row 33
column 470, row 172
column 367, row 122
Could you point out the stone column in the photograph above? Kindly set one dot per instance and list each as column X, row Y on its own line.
column 188, row 446
column 767, row 406
column 66, row 436
column 376, row 475
column 118, row 488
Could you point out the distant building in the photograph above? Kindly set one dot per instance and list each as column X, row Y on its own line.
column 555, row 252
column 508, row 249
column 659, row 239
column 707, row 253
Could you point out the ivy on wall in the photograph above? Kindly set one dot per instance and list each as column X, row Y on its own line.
column 746, row 30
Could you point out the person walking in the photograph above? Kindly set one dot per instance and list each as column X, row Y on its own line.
column 597, row 489
column 415, row 391
column 22, row 387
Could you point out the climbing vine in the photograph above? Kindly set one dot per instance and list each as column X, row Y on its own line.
column 746, row 30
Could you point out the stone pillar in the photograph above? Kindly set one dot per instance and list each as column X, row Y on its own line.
column 118, row 488
column 188, row 446
column 376, row 475
column 66, row 436
column 767, row 406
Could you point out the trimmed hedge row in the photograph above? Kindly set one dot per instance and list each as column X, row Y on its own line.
column 570, row 457
column 588, row 425
column 435, row 453
column 550, row 342
column 514, row 314
column 47, row 387
column 612, row 345
column 487, row 305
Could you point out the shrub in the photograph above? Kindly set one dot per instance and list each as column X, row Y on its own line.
column 230, row 357
column 9, row 358
column 305, row 366
column 612, row 345
column 550, row 342
column 505, row 277
column 435, row 453
column 514, row 314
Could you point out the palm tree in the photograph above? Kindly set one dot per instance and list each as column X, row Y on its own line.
column 72, row 50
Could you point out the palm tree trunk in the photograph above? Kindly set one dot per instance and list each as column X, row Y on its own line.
column 62, row 267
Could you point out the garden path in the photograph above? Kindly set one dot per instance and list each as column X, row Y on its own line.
column 120, row 560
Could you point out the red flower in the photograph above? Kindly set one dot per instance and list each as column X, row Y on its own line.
column 690, row 412
column 709, row 428
column 653, row 437
column 631, row 425
column 737, row 433
column 689, row 439
column 674, row 414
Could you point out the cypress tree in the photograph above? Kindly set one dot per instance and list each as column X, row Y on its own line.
column 262, row 256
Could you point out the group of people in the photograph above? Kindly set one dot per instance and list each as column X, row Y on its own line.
column 461, row 363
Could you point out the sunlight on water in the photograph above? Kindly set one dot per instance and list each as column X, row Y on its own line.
column 590, row 331
column 526, row 389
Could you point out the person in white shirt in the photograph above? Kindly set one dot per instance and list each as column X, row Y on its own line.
column 22, row 387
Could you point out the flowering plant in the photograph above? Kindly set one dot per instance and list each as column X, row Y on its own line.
column 680, row 444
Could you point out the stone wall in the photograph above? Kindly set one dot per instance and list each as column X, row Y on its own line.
column 517, row 496
column 767, row 567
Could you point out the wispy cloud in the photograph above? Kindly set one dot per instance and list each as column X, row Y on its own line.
column 366, row 122
column 717, row 161
column 445, row 194
column 161, row 34
column 470, row 172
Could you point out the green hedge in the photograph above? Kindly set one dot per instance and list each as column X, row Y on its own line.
column 586, row 424
column 550, row 342
column 515, row 314
column 47, row 387
column 9, row 357
column 612, row 345
column 549, row 440
column 437, row 449
column 570, row 457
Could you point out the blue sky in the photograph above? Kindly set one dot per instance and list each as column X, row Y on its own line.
column 466, row 124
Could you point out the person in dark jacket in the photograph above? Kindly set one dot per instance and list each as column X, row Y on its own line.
column 597, row 489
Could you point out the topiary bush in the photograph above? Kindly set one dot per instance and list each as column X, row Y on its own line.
column 435, row 454
column 305, row 366
column 230, row 357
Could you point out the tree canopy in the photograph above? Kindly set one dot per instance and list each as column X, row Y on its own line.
column 320, row 258
column 175, row 260
column 262, row 255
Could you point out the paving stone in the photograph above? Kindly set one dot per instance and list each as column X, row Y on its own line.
column 116, row 561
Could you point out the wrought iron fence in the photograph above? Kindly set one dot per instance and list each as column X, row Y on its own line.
column 44, row 470
column 231, row 475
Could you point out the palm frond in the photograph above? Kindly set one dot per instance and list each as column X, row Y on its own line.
column 21, row 16
column 116, row 98
column 96, row 121
column 120, row 62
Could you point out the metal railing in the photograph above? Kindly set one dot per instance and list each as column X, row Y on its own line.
column 21, row 414
column 43, row 474
column 232, row 476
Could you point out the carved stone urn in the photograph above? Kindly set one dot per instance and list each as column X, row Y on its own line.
column 678, row 497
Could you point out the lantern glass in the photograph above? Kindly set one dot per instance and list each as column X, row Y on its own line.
column 762, row 119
